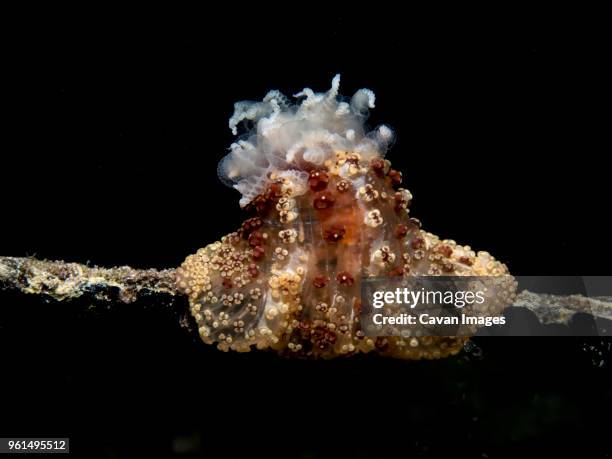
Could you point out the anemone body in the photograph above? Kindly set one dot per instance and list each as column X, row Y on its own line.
column 327, row 211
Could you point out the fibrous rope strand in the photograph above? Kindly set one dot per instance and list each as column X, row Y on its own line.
column 63, row 281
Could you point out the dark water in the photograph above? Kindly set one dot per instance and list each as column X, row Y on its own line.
column 111, row 141
column 130, row 380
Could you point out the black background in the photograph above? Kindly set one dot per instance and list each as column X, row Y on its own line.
column 111, row 135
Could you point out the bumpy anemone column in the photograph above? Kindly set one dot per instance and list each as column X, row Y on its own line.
column 329, row 210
